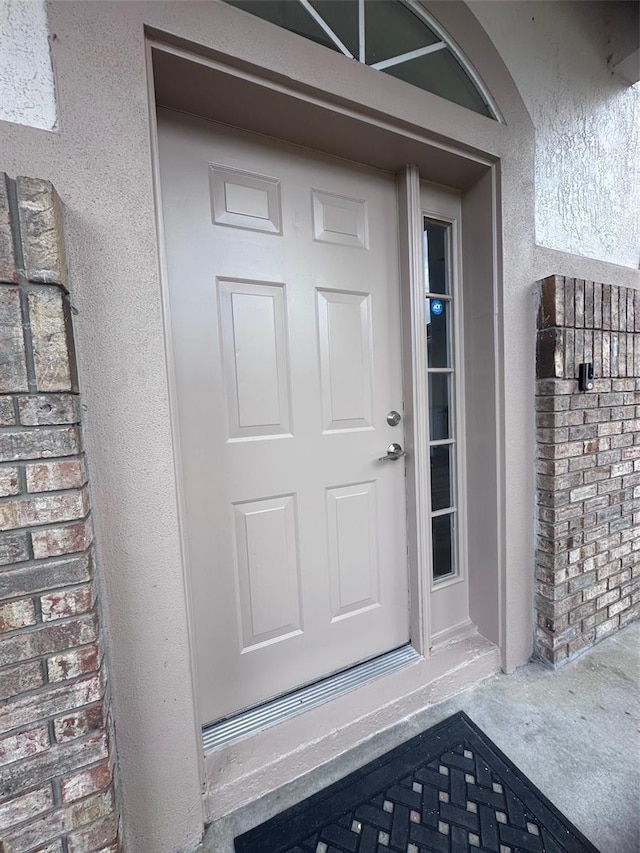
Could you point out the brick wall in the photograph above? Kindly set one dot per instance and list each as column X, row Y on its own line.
column 588, row 465
column 56, row 748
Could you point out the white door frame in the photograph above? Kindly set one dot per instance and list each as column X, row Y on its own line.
column 416, row 406
column 416, row 409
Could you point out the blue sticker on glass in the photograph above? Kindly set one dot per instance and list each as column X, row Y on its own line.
column 437, row 307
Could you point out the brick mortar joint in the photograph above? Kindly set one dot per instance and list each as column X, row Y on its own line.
column 24, row 283
column 62, row 622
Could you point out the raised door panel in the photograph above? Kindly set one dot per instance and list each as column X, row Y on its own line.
column 267, row 567
column 340, row 220
column 255, row 360
column 353, row 549
column 346, row 356
column 245, row 200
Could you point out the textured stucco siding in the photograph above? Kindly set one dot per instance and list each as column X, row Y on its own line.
column 27, row 90
column 587, row 121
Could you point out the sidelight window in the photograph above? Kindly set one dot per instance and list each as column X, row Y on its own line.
column 441, row 369
column 397, row 37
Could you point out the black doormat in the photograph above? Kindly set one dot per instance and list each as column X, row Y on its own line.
column 448, row 790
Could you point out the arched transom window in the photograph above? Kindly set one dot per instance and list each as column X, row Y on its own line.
column 395, row 36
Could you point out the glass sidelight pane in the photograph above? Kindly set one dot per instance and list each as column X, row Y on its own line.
column 441, row 471
column 439, row 406
column 438, row 337
column 436, row 273
column 442, row 545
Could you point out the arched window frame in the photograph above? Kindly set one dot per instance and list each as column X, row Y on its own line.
column 417, row 9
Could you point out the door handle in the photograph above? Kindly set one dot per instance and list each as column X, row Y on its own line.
column 394, row 452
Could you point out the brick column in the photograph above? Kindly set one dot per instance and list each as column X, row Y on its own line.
column 588, row 465
column 56, row 746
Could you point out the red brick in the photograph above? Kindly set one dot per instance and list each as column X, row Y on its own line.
column 8, row 266
column 61, row 760
column 48, row 702
column 14, row 548
column 17, row 614
column 608, row 598
column 73, row 664
column 28, row 837
column 66, row 602
column 630, row 615
column 24, row 744
column 96, row 837
column 41, row 220
column 13, row 369
column 62, row 540
column 48, row 639
column 25, row 806
column 86, row 782
column 54, row 847
column 50, row 329
column 609, row 626
column 619, row 578
column 55, row 476
column 49, row 409
column 44, row 575
column 78, row 723
column 19, row 679
column 59, row 628
column 7, row 416
column 90, row 810
column 619, row 606
column 582, row 642
column 9, row 482
column 39, row 443
column 43, row 509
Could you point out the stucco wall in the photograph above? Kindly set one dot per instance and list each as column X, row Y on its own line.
column 27, row 92
column 587, row 120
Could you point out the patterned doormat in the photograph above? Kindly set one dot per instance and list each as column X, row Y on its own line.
column 448, row 790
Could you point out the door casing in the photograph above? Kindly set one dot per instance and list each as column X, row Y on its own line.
column 432, row 158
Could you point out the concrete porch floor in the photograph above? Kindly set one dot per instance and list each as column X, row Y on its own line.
column 575, row 732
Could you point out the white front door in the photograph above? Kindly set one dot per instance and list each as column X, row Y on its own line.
column 284, row 303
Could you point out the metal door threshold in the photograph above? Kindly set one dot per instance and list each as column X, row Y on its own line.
column 285, row 707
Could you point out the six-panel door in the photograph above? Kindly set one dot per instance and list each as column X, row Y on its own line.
column 285, row 329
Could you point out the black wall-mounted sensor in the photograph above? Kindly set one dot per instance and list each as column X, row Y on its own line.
column 585, row 376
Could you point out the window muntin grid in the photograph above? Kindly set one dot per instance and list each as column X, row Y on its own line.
column 394, row 36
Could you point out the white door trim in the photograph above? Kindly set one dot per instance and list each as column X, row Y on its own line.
column 451, row 594
column 325, row 101
column 416, row 405
column 173, row 395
